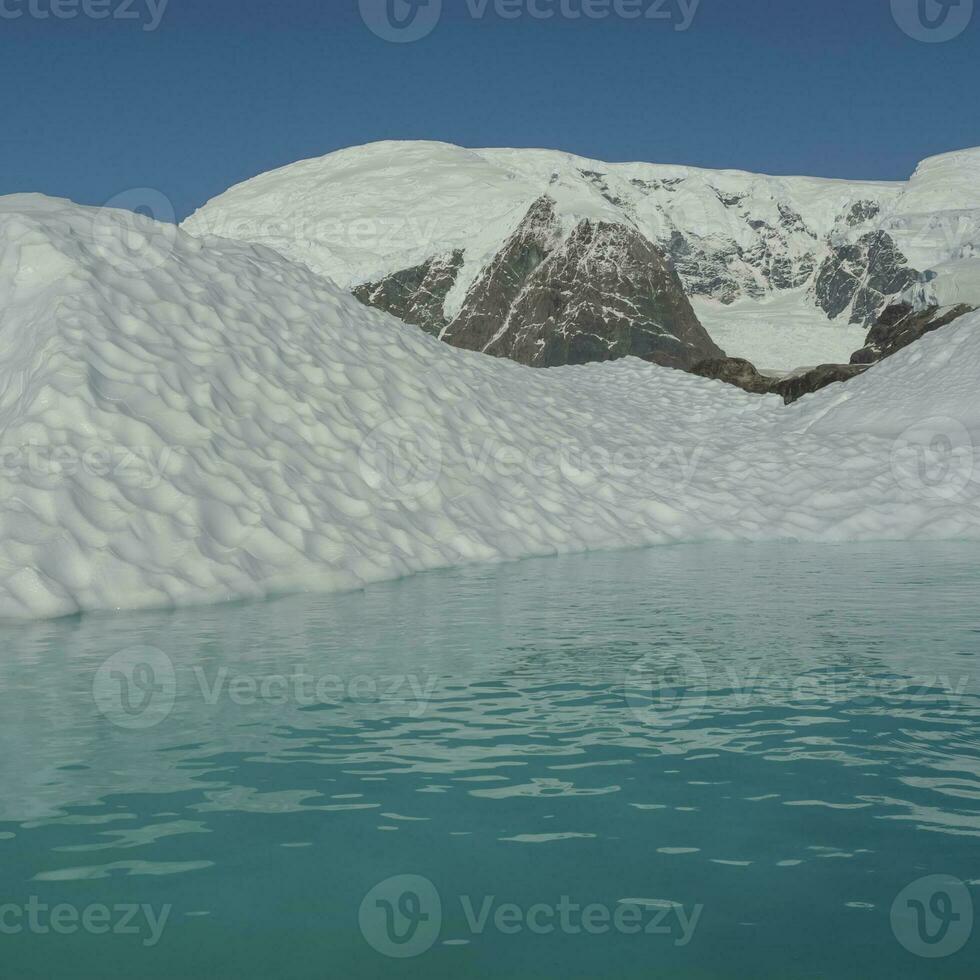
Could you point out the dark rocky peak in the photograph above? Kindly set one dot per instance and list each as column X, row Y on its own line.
column 491, row 297
column 859, row 277
column 606, row 292
column 416, row 295
column 900, row 325
column 601, row 292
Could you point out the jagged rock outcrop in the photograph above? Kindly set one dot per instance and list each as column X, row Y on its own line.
column 704, row 266
column 857, row 278
column 862, row 212
column 601, row 292
column 490, row 300
column 416, row 295
column 743, row 374
column 796, row 386
column 780, row 255
column 900, row 325
column 734, row 371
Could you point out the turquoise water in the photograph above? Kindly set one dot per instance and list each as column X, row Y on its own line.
column 758, row 757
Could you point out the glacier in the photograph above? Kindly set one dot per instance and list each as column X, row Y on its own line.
column 190, row 419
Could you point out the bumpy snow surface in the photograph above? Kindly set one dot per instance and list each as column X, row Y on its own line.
column 192, row 419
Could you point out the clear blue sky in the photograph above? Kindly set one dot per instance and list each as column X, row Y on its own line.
column 225, row 89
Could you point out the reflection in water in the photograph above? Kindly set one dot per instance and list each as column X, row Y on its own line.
column 695, row 712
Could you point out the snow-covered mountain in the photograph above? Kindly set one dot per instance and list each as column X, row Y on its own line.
column 599, row 293
column 195, row 419
column 783, row 270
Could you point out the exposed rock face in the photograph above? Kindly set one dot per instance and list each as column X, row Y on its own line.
column 735, row 371
column 772, row 256
column 796, row 386
column 859, row 277
column 900, row 325
column 703, row 268
column 416, row 295
column 601, row 293
column 742, row 374
column 491, row 299
column 605, row 292
column 863, row 211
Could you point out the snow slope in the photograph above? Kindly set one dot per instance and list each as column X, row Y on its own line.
column 366, row 212
column 936, row 223
column 193, row 419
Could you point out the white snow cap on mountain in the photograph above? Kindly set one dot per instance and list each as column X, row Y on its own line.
column 364, row 212
column 759, row 241
column 936, row 223
column 193, row 419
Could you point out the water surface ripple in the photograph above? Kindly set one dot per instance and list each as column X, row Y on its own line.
column 784, row 736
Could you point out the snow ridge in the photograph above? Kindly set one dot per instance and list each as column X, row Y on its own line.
column 194, row 420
